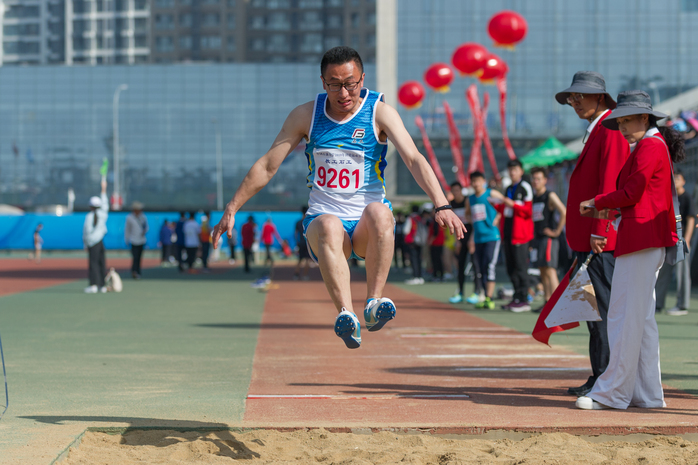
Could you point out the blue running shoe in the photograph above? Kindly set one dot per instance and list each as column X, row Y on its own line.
column 347, row 327
column 473, row 299
column 378, row 312
column 456, row 299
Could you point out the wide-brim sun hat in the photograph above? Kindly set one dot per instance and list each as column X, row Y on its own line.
column 586, row 82
column 632, row 102
column 95, row 201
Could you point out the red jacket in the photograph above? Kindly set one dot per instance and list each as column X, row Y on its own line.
column 521, row 214
column 596, row 173
column 644, row 199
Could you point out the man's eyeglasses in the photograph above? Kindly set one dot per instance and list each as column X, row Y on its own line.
column 349, row 86
column 574, row 98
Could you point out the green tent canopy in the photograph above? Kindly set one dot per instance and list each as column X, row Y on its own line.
column 550, row 152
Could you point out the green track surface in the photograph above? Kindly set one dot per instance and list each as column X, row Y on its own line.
column 170, row 349
column 678, row 336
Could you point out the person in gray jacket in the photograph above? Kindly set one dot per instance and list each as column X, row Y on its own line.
column 93, row 233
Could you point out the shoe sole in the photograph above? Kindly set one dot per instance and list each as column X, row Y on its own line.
column 384, row 313
column 344, row 327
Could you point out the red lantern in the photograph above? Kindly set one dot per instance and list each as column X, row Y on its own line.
column 507, row 28
column 411, row 94
column 469, row 58
column 494, row 68
column 439, row 76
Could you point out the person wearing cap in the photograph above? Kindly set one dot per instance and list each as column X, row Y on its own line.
column 647, row 227
column 93, row 232
column 595, row 173
column 134, row 234
column 248, row 233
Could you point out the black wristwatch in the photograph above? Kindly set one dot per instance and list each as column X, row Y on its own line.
column 444, row 207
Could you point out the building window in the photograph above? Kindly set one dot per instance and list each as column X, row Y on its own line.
column 311, row 20
column 309, row 3
column 371, row 19
column 185, row 20
column 278, row 43
column 311, row 43
column 231, row 3
column 79, row 6
column 354, row 41
column 210, row 2
column 230, row 44
column 140, row 4
column 278, row 21
column 211, row 42
column 276, row 4
column 335, row 3
column 211, row 20
column 164, row 44
column 332, row 42
column 140, row 24
column 164, row 3
column 185, row 2
column 257, row 45
column 258, row 4
column 82, row 25
column 10, row 47
column 370, row 40
column 257, row 22
column 231, row 21
column 82, row 43
column 334, row 21
column 141, row 41
column 185, row 42
column 355, row 20
column 164, row 22
column 689, row 5
column 21, row 29
column 21, row 11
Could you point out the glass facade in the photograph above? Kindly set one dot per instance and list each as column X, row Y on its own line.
column 56, row 127
column 633, row 43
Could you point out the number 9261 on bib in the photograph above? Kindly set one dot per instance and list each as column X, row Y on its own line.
column 337, row 170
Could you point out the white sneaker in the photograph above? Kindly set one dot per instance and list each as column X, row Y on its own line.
column 676, row 311
column 91, row 289
column 103, row 289
column 587, row 403
column 414, row 281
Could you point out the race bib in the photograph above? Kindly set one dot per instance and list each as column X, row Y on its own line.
column 508, row 212
column 479, row 212
column 538, row 211
column 337, row 170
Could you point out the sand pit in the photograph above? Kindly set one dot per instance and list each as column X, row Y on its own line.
column 322, row 447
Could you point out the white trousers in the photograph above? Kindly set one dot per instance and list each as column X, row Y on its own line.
column 633, row 375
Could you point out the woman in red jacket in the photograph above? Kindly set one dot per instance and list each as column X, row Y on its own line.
column 647, row 226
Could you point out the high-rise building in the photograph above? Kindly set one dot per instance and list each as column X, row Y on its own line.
column 259, row 31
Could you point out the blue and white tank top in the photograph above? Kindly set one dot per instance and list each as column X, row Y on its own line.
column 483, row 215
column 346, row 160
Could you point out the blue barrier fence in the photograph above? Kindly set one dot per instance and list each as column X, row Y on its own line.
column 65, row 232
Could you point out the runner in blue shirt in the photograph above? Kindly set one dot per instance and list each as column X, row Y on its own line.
column 346, row 131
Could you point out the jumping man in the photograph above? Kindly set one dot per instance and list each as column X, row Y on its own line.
column 346, row 131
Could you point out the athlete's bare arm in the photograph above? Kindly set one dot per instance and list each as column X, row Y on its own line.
column 295, row 128
column 556, row 204
column 390, row 124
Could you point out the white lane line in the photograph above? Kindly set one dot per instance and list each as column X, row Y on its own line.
column 520, row 369
column 467, row 336
column 510, row 356
column 366, row 397
column 456, row 330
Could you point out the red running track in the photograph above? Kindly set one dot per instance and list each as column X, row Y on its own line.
column 433, row 367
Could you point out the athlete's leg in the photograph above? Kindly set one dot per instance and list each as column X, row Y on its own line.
column 332, row 247
column 373, row 239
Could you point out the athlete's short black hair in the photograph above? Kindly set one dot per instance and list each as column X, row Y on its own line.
column 339, row 56
column 539, row 169
column 476, row 174
column 456, row 184
column 513, row 163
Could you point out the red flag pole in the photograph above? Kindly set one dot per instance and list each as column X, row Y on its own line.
column 430, row 153
column 456, row 146
column 541, row 332
column 486, row 140
column 502, row 86
column 474, row 103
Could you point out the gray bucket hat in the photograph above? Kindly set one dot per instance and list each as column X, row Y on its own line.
column 586, row 82
column 632, row 102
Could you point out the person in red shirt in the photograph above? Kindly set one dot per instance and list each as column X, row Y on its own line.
column 269, row 233
column 435, row 241
column 596, row 172
column 248, row 232
column 648, row 225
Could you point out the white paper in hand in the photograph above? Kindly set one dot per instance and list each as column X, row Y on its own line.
column 577, row 303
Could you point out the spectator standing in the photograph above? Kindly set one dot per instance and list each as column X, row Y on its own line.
column 595, row 173
column 205, row 237
column 38, row 242
column 400, row 248
column 414, row 239
column 486, row 236
column 303, row 253
column 134, row 234
column 435, row 241
column 179, row 231
column 547, row 228
column 232, row 245
column 191, row 230
column 462, row 249
column 517, row 231
column 249, row 233
column 683, row 269
column 269, row 233
column 93, row 232
column 166, row 232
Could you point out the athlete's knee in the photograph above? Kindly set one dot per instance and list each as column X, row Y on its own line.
column 326, row 230
column 379, row 217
